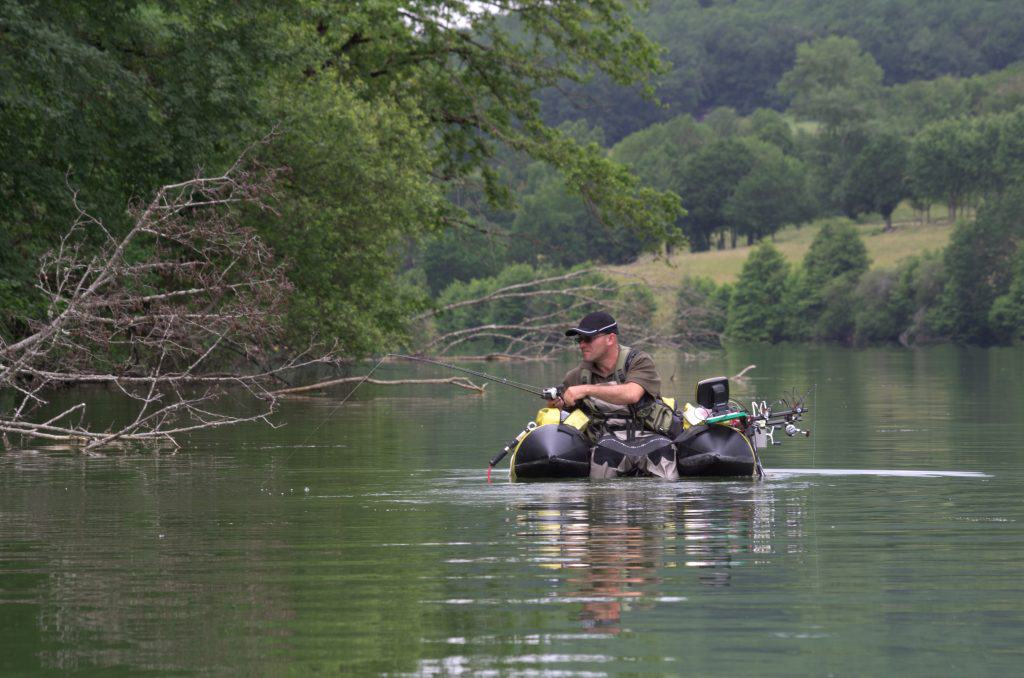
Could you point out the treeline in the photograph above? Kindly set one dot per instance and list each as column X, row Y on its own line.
column 732, row 53
column 418, row 156
column 970, row 292
column 381, row 114
column 847, row 145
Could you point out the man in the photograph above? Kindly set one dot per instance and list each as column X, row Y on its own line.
column 612, row 375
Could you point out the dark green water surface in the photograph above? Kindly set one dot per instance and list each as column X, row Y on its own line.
column 365, row 540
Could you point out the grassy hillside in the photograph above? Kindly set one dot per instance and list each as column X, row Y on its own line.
column 885, row 249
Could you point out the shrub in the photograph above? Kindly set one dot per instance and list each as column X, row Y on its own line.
column 756, row 311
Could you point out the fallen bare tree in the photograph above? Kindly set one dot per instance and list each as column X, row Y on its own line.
column 172, row 313
column 546, row 307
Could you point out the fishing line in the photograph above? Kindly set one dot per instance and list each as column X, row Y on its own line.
column 549, row 393
column 814, row 424
column 331, row 413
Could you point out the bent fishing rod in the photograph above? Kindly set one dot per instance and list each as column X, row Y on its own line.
column 550, row 393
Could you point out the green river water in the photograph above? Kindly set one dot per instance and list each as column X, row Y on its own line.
column 364, row 539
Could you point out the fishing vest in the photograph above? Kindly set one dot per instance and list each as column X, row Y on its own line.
column 650, row 413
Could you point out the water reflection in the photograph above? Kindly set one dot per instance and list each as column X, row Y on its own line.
column 616, row 544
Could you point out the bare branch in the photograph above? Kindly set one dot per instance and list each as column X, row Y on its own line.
column 171, row 314
column 461, row 382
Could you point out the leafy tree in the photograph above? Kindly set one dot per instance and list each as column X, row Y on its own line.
column 832, row 268
column 1006, row 169
column 135, row 94
column 910, row 106
column 105, row 98
column 733, row 54
column 836, row 85
column 881, row 312
column 877, row 182
column 723, row 121
column 946, row 162
column 357, row 188
column 769, row 126
column 980, row 264
column 554, row 227
column 771, row 195
column 755, row 311
column 836, row 250
column 462, row 254
column 709, row 179
column 833, row 82
column 658, row 153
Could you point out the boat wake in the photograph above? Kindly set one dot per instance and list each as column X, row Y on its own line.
column 790, row 472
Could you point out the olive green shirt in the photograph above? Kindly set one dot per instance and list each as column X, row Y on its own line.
column 641, row 370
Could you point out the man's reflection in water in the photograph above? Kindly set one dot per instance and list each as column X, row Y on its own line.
column 613, row 542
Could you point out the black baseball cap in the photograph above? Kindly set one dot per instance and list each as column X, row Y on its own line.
column 594, row 324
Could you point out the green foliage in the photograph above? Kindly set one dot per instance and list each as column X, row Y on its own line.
column 755, row 310
column 772, row 194
column 1006, row 317
column 723, row 121
column 980, row 261
column 113, row 100
column 836, row 250
column 358, row 185
column 702, row 308
column 709, row 179
column 462, row 254
column 734, row 53
column 833, row 82
column 635, row 304
column 823, row 294
column 910, row 106
column 903, row 304
column 554, row 226
column 877, row 181
column 882, row 309
column 531, row 317
column 388, row 112
column 770, row 127
column 658, row 153
column 946, row 162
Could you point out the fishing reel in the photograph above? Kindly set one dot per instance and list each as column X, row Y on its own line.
column 764, row 420
column 552, row 393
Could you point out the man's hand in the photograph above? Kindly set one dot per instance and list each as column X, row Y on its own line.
column 575, row 393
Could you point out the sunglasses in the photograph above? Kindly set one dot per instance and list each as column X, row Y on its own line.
column 580, row 339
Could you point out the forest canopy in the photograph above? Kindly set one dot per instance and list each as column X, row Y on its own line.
column 432, row 143
column 384, row 110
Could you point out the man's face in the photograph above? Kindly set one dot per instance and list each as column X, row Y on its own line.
column 594, row 348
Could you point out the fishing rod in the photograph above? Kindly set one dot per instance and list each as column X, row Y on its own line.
column 549, row 393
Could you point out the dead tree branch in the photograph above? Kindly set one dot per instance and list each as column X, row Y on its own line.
column 528, row 319
column 461, row 382
column 161, row 313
